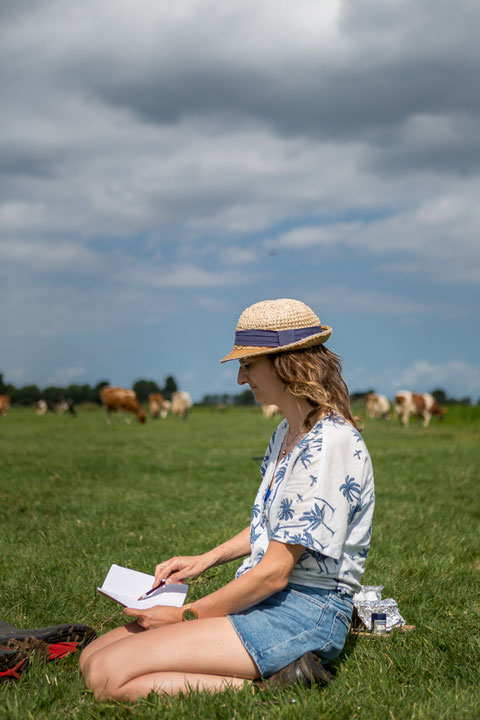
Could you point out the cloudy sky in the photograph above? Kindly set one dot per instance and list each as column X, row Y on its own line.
column 165, row 164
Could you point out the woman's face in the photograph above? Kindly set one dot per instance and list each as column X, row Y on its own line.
column 262, row 379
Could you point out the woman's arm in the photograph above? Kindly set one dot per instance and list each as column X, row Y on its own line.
column 270, row 575
column 177, row 569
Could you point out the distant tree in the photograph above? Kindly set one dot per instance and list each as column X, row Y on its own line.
column 3, row 387
column 244, row 398
column 216, row 400
column 28, row 395
column 143, row 388
column 12, row 391
column 169, row 388
column 78, row 393
column 440, row 396
column 52, row 394
column 94, row 396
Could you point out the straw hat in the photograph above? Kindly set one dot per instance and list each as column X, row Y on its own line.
column 274, row 326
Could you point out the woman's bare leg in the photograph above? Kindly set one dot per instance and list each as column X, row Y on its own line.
column 173, row 683
column 205, row 654
column 118, row 633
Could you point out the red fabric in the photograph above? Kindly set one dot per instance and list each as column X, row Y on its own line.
column 59, row 650
column 13, row 672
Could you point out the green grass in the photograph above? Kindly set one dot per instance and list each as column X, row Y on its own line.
column 77, row 495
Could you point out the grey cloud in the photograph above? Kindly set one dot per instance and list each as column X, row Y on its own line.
column 11, row 10
column 386, row 64
column 29, row 160
column 409, row 63
column 306, row 99
column 449, row 144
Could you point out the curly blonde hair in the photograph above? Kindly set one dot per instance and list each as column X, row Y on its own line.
column 314, row 374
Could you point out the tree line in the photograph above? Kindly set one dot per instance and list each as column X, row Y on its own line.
column 79, row 394
column 31, row 394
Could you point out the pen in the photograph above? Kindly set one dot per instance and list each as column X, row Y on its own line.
column 149, row 592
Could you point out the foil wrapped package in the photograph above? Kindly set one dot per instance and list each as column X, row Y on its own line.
column 368, row 592
column 365, row 608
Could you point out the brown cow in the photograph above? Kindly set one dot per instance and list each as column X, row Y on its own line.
column 424, row 405
column 157, row 405
column 4, row 404
column 121, row 400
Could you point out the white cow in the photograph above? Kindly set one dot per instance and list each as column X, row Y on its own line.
column 270, row 411
column 41, row 407
column 377, row 406
column 181, row 404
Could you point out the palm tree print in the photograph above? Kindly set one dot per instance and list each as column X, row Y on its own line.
column 286, row 512
column 353, row 511
column 254, row 535
column 350, row 489
column 316, row 517
column 306, row 457
column 280, row 474
column 336, row 419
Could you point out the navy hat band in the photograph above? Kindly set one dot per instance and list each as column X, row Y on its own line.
column 274, row 338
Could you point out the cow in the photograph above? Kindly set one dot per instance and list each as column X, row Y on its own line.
column 121, row 400
column 269, row 411
column 4, row 404
column 41, row 407
column 408, row 403
column 181, row 404
column 62, row 406
column 158, row 406
column 66, row 405
column 377, row 406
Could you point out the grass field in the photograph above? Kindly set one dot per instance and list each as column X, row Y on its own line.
column 77, row 495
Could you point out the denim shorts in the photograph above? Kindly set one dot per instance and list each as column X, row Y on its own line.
column 292, row 622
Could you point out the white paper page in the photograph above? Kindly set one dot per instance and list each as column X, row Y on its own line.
column 174, row 596
column 127, row 582
column 125, row 586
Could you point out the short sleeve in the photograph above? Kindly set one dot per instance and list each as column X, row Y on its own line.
column 318, row 494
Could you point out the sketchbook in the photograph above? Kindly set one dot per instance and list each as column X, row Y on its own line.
column 125, row 586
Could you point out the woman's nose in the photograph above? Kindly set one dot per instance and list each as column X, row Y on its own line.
column 242, row 376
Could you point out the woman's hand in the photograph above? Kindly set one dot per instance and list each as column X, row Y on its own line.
column 156, row 616
column 177, row 569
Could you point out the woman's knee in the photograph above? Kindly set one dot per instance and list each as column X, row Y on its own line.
column 99, row 675
column 85, row 655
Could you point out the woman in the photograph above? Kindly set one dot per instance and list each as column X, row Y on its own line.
column 306, row 544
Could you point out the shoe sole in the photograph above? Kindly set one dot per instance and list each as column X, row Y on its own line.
column 55, row 641
column 306, row 670
column 12, row 664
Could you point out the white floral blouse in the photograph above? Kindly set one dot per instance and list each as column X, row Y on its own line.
column 322, row 497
